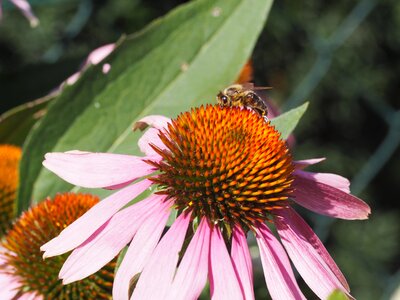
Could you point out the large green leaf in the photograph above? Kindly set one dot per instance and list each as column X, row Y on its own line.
column 16, row 123
column 177, row 62
column 287, row 122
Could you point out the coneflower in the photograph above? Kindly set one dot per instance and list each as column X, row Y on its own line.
column 225, row 173
column 9, row 171
column 23, row 272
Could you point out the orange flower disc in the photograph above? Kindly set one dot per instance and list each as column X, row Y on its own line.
column 9, row 164
column 37, row 226
column 225, row 163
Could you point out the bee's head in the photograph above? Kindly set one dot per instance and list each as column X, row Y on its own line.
column 225, row 97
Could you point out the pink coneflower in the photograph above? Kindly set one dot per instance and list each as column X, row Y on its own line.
column 23, row 273
column 94, row 58
column 224, row 173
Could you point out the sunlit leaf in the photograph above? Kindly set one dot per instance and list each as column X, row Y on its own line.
column 287, row 121
column 177, row 62
column 16, row 123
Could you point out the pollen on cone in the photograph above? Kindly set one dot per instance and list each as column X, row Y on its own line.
column 225, row 163
column 9, row 164
column 37, row 226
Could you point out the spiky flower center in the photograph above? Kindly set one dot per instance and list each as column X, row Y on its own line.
column 225, row 163
column 36, row 227
column 9, row 161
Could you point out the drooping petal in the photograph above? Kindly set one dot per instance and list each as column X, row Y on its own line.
column 301, row 164
column 333, row 180
column 108, row 241
column 306, row 255
column 26, row 10
column 326, row 199
column 94, row 57
column 80, row 230
column 98, row 54
column 156, row 121
column 278, row 272
column 241, row 260
column 224, row 284
column 191, row 275
column 9, row 283
column 96, row 170
column 294, row 220
column 150, row 137
column 72, row 79
column 138, row 254
column 9, row 286
column 156, row 278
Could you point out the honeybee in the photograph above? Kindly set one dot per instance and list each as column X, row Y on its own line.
column 244, row 95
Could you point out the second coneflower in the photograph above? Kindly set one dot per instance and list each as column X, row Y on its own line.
column 24, row 274
column 225, row 172
column 9, row 171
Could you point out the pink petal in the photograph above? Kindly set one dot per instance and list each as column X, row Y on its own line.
column 301, row 164
column 96, row 170
column 333, row 180
column 223, row 281
column 73, row 78
column 314, row 266
column 294, row 220
column 108, row 241
column 278, row 272
column 26, row 10
column 106, row 68
column 241, row 260
column 191, row 275
column 322, row 198
column 156, row 121
column 150, row 137
column 98, row 54
column 138, row 254
column 80, row 230
column 156, row 278
column 9, row 286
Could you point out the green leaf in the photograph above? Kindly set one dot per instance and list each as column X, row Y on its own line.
column 337, row 295
column 287, row 122
column 16, row 123
column 120, row 258
column 177, row 62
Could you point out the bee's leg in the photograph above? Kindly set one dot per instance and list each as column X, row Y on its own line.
column 264, row 115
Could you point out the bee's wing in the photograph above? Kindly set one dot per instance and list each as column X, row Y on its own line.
column 248, row 85
column 262, row 88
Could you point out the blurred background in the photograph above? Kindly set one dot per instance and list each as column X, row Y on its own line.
column 342, row 57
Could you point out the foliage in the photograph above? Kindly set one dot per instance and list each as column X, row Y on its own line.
column 342, row 57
